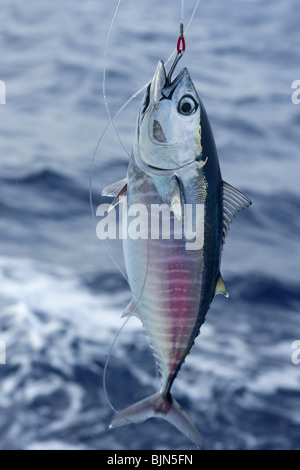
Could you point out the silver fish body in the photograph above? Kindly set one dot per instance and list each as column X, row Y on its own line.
column 173, row 283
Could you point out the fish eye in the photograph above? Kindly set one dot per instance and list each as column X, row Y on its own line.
column 187, row 105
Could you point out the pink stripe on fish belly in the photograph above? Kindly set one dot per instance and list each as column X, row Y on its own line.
column 181, row 310
column 170, row 302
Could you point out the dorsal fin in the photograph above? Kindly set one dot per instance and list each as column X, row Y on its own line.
column 116, row 190
column 233, row 202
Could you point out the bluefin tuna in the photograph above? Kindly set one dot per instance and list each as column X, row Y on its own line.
column 175, row 163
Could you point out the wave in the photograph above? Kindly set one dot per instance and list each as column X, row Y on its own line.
column 58, row 330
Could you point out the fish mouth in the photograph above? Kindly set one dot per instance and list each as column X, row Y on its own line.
column 161, row 88
column 161, row 85
column 158, row 83
column 160, row 142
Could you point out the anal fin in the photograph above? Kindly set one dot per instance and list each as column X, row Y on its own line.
column 131, row 310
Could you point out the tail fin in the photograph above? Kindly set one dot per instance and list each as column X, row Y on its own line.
column 160, row 407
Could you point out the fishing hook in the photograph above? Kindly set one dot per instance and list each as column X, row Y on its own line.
column 180, row 52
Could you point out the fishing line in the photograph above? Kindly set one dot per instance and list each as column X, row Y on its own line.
column 186, row 28
column 106, row 366
column 130, row 314
column 182, row 11
column 100, row 140
column 111, row 123
column 137, row 93
column 104, row 76
column 111, row 119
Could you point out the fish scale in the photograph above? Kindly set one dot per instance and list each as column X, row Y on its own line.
column 173, row 281
column 178, row 313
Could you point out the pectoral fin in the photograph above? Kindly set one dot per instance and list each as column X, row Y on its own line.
column 116, row 190
column 220, row 287
column 174, row 198
column 233, row 202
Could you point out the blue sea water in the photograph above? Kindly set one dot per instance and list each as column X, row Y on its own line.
column 61, row 297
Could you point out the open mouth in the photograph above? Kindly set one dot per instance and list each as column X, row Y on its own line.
column 160, row 87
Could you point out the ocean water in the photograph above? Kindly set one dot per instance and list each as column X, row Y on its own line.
column 61, row 296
